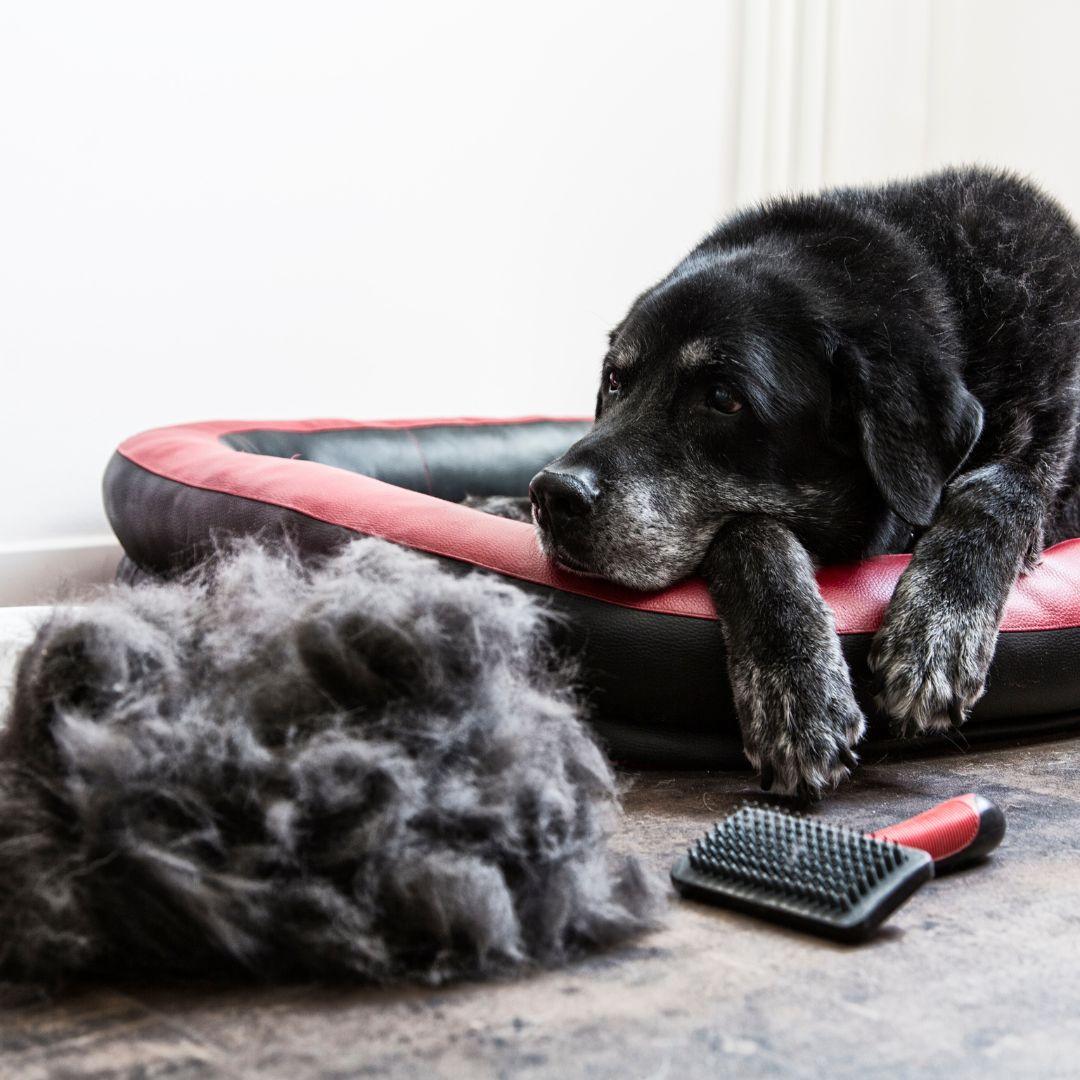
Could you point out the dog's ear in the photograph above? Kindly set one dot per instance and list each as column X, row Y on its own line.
column 916, row 425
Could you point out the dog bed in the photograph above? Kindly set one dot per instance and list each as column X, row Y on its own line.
column 653, row 663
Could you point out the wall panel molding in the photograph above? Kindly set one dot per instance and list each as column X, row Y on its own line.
column 39, row 573
column 784, row 69
column 832, row 92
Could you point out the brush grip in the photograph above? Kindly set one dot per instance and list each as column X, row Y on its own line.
column 954, row 833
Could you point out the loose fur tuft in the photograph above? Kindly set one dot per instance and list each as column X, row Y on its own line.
column 370, row 769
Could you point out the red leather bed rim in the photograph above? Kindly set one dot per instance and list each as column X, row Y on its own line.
column 194, row 455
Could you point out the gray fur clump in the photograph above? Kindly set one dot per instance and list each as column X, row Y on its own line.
column 370, row 769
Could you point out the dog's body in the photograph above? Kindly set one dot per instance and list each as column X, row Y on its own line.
column 826, row 378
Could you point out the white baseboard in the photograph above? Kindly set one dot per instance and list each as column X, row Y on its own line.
column 44, row 571
column 17, row 628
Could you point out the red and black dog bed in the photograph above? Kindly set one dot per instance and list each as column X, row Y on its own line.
column 654, row 662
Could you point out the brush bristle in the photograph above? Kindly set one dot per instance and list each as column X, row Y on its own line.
column 801, row 871
column 829, row 867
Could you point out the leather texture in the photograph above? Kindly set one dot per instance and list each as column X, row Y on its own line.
column 448, row 461
column 654, row 663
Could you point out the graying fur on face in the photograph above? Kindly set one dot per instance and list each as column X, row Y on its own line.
column 369, row 769
column 653, row 529
column 647, row 536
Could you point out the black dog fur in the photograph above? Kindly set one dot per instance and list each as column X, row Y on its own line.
column 824, row 378
column 370, row 769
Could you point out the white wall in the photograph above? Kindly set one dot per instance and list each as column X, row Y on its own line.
column 846, row 91
column 368, row 209
column 347, row 209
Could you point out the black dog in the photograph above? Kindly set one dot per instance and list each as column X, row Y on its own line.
column 825, row 378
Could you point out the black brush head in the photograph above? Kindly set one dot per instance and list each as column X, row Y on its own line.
column 800, row 871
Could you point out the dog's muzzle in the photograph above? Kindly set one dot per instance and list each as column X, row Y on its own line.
column 563, row 502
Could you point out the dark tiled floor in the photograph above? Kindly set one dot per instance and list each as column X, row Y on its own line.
column 978, row 975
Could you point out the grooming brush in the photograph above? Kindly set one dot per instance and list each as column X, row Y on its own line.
column 826, row 878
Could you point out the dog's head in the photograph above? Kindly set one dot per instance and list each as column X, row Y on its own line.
column 731, row 388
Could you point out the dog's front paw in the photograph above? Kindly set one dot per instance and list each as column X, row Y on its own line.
column 800, row 723
column 930, row 663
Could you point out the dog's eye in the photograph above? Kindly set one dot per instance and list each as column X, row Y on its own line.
column 614, row 383
column 722, row 400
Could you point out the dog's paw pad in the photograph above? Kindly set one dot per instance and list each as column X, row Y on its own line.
column 804, row 744
column 930, row 672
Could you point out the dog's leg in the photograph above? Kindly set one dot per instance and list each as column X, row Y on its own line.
column 933, row 650
column 792, row 687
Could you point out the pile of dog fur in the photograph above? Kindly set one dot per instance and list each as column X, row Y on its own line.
column 371, row 768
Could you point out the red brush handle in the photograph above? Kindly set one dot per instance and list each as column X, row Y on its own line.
column 955, row 832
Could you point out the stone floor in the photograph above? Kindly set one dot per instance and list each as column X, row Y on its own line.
column 978, row 975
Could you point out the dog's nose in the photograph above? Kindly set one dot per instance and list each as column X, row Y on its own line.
column 563, row 495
